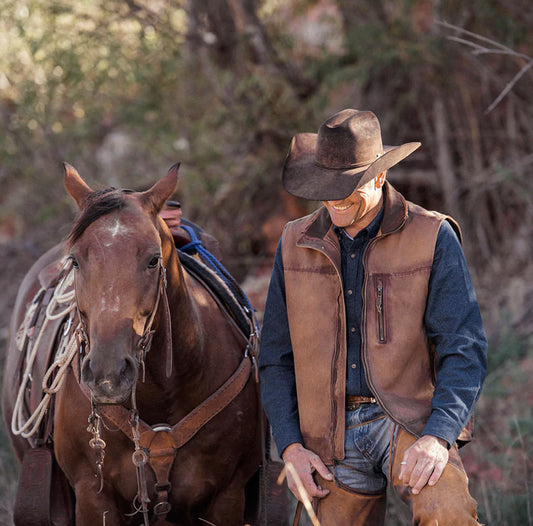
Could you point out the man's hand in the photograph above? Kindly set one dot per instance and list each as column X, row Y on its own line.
column 424, row 462
column 305, row 463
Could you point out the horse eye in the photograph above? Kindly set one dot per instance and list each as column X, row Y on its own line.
column 75, row 263
column 154, row 262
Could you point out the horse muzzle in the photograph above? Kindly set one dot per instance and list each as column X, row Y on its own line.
column 109, row 385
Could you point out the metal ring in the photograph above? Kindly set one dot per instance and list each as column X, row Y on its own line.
column 139, row 461
column 97, row 443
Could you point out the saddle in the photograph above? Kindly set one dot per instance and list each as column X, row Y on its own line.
column 44, row 497
column 37, row 338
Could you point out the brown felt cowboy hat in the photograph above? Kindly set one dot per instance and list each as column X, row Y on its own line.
column 346, row 153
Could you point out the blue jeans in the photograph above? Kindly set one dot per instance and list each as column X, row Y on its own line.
column 365, row 467
column 357, row 497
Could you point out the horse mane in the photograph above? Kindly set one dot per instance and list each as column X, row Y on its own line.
column 98, row 204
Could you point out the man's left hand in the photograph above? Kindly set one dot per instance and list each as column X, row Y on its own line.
column 424, row 462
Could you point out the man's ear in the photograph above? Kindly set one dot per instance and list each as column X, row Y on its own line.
column 380, row 180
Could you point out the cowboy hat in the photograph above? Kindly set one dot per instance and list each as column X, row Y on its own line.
column 346, row 153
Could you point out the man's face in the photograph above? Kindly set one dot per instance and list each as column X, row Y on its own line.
column 354, row 210
column 171, row 216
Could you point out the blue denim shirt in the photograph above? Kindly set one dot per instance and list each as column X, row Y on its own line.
column 452, row 320
column 352, row 250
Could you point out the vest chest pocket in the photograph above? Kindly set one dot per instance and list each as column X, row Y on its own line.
column 380, row 309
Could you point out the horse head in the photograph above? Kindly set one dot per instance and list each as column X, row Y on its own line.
column 118, row 255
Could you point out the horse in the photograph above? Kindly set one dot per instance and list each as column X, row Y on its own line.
column 161, row 373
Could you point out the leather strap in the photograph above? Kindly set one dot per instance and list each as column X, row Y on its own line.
column 32, row 504
column 299, row 507
column 360, row 399
column 190, row 424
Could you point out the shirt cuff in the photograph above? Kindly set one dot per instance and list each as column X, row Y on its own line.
column 443, row 429
column 286, row 438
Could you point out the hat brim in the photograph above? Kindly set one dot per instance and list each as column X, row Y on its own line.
column 303, row 177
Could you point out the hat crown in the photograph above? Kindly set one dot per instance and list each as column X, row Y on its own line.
column 349, row 139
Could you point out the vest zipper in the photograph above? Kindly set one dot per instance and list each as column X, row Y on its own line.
column 379, row 308
column 335, row 421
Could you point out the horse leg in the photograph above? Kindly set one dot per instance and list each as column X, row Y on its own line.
column 228, row 507
column 95, row 509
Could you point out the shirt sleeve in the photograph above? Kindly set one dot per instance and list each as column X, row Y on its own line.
column 453, row 324
column 276, row 363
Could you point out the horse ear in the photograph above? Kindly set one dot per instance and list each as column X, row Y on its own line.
column 75, row 185
column 157, row 196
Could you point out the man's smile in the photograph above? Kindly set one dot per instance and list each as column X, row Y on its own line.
column 341, row 208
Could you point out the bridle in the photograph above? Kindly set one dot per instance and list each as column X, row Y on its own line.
column 158, row 446
column 139, row 456
column 145, row 341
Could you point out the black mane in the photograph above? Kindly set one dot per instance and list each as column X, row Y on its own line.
column 98, row 204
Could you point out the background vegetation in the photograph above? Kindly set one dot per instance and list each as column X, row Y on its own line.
column 122, row 89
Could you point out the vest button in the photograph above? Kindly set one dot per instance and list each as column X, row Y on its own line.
column 352, row 329
column 350, row 292
column 354, row 365
column 352, row 256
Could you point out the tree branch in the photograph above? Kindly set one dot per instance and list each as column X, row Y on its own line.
column 496, row 49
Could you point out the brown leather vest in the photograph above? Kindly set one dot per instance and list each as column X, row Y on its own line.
column 398, row 360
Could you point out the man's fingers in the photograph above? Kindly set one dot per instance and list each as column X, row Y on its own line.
column 420, row 476
column 423, row 463
column 437, row 472
column 309, row 486
column 305, row 463
column 321, row 468
column 407, row 466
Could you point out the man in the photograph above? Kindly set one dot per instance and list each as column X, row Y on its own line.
column 172, row 215
column 373, row 351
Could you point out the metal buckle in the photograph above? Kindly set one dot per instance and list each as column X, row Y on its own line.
column 162, row 508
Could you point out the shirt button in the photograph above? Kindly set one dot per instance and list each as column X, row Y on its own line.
column 350, row 292
column 352, row 329
column 352, row 256
column 354, row 365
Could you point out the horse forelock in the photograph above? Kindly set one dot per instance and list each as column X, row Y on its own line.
column 99, row 203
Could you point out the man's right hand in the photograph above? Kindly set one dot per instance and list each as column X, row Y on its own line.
column 305, row 463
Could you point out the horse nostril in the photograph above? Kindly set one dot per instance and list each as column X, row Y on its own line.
column 128, row 373
column 86, row 372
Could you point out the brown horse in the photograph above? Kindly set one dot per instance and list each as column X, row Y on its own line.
column 164, row 373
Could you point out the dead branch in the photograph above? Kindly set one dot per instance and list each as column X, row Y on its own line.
column 473, row 40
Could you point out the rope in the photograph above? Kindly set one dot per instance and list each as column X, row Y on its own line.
column 61, row 304
column 211, row 261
